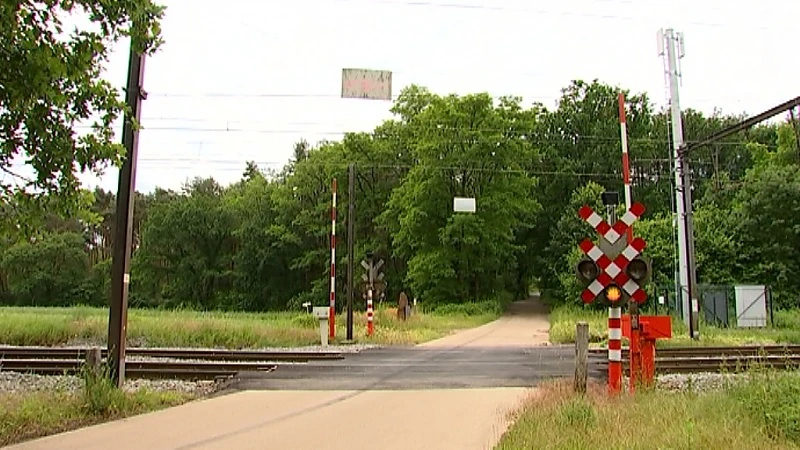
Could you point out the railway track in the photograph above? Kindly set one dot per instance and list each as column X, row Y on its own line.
column 714, row 359
column 157, row 363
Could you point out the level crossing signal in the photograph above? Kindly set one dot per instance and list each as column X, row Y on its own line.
column 614, row 270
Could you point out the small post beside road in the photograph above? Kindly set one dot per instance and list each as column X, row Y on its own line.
column 581, row 356
column 93, row 360
column 322, row 314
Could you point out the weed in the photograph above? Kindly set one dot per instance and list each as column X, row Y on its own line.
column 185, row 328
column 772, row 398
column 577, row 412
column 557, row 418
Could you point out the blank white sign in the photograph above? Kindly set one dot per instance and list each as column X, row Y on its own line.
column 461, row 204
column 366, row 83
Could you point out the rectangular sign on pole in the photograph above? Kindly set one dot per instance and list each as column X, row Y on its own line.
column 462, row 204
column 367, row 83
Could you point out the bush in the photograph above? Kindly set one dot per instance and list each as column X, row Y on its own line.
column 788, row 318
column 305, row 320
column 771, row 397
column 101, row 397
column 577, row 413
column 469, row 309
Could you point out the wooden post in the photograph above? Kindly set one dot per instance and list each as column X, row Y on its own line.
column 93, row 359
column 581, row 356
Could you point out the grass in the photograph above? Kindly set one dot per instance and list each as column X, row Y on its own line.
column 785, row 331
column 759, row 413
column 29, row 415
column 160, row 328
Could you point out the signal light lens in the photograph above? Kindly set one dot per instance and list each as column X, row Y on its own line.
column 613, row 293
column 588, row 269
column 637, row 269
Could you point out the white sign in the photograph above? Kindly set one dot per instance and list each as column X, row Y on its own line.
column 366, row 83
column 461, row 204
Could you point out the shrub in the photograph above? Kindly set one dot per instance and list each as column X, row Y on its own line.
column 101, row 397
column 469, row 309
column 771, row 397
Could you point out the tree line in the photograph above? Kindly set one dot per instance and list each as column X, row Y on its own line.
column 262, row 243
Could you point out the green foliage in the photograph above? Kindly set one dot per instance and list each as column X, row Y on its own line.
column 51, row 270
column 50, row 83
column 454, row 257
column 263, row 243
column 27, row 415
column 771, row 398
column 100, row 395
column 577, row 413
column 557, row 418
column 469, row 309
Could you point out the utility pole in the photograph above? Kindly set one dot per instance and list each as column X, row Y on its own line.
column 687, row 281
column 123, row 226
column 351, row 231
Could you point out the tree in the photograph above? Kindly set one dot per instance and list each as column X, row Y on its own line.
column 51, row 85
column 465, row 147
column 769, row 207
column 186, row 253
column 52, row 270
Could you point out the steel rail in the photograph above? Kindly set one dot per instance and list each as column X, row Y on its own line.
column 203, row 354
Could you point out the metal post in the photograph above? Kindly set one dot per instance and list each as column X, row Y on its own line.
column 351, row 228
column 123, row 229
column 683, row 202
column 581, row 356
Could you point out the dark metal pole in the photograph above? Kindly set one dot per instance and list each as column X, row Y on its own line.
column 351, row 231
column 123, row 226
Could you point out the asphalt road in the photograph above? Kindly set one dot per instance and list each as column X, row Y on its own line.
column 420, row 368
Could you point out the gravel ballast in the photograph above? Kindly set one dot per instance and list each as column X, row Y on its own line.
column 12, row 382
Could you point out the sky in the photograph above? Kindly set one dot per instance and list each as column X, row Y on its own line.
column 247, row 80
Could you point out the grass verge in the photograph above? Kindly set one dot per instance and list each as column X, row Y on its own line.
column 29, row 415
column 785, row 331
column 759, row 413
column 159, row 328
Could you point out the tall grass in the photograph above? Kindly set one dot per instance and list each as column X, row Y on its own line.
column 755, row 414
column 28, row 415
column 180, row 328
column 786, row 329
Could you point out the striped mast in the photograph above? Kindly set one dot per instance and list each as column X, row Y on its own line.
column 626, row 170
column 332, row 312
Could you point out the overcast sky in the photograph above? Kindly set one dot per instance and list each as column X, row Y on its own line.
column 270, row 71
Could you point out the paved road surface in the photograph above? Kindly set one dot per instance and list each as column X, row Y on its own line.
column 386, row 398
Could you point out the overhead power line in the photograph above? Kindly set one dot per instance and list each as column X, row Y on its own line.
column 540, row 11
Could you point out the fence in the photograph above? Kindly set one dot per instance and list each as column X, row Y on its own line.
column 723, row 306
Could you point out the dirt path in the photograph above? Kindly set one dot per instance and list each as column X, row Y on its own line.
column 525, row 323
column 370, row 419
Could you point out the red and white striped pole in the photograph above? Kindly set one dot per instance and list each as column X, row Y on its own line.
column 626, row 170
column 614, row 349
column 332, row 312
column 370, row 325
